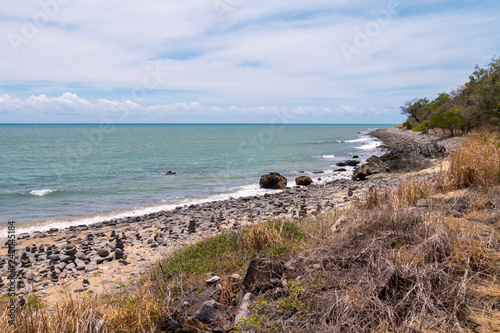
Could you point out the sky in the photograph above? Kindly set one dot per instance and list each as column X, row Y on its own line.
column 235, row 61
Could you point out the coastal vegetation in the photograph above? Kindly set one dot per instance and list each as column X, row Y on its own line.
column 421, row 256
column 475, row 104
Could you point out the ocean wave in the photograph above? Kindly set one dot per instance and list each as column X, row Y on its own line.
column 323, row 142
column 370, row 145
column 41, row 193
column 358, row 140
column 235, row 192
column 328, row 157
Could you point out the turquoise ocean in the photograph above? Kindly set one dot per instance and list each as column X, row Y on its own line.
column 62, row 175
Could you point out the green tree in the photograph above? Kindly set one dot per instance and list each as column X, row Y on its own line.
column 448, row 120
column 414, row 108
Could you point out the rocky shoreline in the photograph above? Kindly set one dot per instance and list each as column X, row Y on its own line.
column 102, row 256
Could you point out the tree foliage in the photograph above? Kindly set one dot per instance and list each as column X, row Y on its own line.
column 476, row 102
column 449, row 120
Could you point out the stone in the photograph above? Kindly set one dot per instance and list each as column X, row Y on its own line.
column 103, row 252
column 66, row 258
column 25, row 260
column 118, row 253
column 274, row 181
column 260, row 272
column 374, row 165
column 119, row 243
column 213, row 279
column 167, row 324
column 81, row 256
column 70, row 250
column 352, row 162
column 303, row 180
column 211, row 312
column 80, row 266
column 243, row 310
column 91, row 267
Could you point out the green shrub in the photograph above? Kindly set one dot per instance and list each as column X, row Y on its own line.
column 421, row 127
column 449, row 120
column 408, row 124
column 495, row 120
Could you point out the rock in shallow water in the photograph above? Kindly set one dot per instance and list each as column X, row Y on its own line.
column 273, row 181
column 303, row 180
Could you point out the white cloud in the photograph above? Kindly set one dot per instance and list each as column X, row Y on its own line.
column 284, row 53
column 71, row 103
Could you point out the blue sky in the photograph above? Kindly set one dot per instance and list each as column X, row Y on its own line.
column 222, row 61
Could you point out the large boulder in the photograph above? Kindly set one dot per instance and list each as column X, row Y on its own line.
column 372, row 166
column 261, row 273
column 348, row 163
column 211, row 312
column 352, row 162
column 303, row 180
column 274, row 181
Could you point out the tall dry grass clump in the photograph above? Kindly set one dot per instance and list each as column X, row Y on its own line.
column 135, row 310
column 476, row 162
column 406, row 193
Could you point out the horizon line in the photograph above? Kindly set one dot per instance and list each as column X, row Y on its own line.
column 104, row 124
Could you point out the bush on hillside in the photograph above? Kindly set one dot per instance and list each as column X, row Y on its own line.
column 421, row 127
column 408, row 124
column 449, row 120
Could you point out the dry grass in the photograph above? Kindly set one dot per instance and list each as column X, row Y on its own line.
column 476, row 162
column 134, row 311
column 394, row 267
column 406, row 193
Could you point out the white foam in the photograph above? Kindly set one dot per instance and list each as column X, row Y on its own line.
column 331, row 175
column 370, row 145
column 328, row 157
column 41, row 193
column 359, row 140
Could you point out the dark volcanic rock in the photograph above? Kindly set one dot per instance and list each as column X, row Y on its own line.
column 274, row 181
column 211, row 312
column 352, row 162
column 303, row 180
column 348, row 163
column 406, row 154
column 374, row 165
